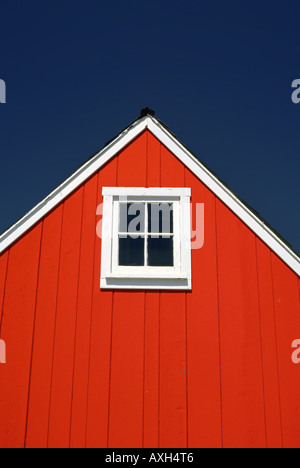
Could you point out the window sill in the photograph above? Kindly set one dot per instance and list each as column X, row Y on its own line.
column 168, row 282
column 145, row 277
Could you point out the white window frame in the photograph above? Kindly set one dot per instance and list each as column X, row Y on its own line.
column 114, row 276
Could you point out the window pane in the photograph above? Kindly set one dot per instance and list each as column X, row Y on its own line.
column 160, row 251
column 160, row 217
column 131, row 251
column 132, row 217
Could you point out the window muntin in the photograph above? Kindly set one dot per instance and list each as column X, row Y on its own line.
column 146, row 234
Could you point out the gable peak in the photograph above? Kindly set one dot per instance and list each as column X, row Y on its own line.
column 147, row 111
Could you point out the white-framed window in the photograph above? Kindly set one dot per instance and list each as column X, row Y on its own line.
column 146, row 238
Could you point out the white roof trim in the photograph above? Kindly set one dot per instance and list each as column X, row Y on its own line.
column 146, row 192
column 211, row 181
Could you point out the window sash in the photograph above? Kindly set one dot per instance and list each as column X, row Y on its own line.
column 146, row 270
column 146, row 230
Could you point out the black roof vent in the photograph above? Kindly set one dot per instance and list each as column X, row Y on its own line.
column 147, row 111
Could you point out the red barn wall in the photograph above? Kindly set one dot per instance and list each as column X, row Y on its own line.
column 209, row 367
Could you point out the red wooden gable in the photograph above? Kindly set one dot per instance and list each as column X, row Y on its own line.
column 86, row 367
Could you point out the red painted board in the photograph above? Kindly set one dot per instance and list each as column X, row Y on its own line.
column 3, row 274
column 40, row 378
column 64, row 341
column 127, row 370
column 173, row 340
column 153, row 161
column 100, row 335
column 17, row 331
column 287, row 315
column 151, row 376
column 243, row 404
column 203, row 352
column 83, row 321
column 269, row 346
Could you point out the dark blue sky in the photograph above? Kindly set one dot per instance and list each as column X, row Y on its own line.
column 217, row 73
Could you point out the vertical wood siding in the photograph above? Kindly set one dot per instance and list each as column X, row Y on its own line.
column 209, row 367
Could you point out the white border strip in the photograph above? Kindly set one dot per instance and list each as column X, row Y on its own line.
column 146, row 192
